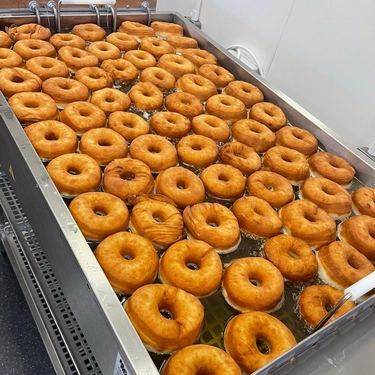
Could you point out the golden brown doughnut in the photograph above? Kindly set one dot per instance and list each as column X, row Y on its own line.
column 104, row 50
column 120, row 70
column 199, row 57
column 137, row 29
column 183, row 102
column 124, row 42
column 172, row 125
column 140, row 59
column 156, row 46
column 47, row 67
column 245, row 91
column 364, row 201
column 146, row 96
column 5, row 40
column 94, row 78
column 211, row 127
column 268, row 114
column 217, row 74
column 128, row 124
column 90, row 32
column 226, row 107
column 28, row 31
column 162, row 79
column 180, row 43
column 64, row 39
column 29, row 48
column 110, row 100
column 165, row 29
column 10, row 59
column 196, row 85
column 176, row 65
column 76, row 58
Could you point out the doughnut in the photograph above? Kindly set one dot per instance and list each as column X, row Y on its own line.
column 104, row 50
column 103, row 145
column 328, row 195
column 293, row 257
column 127, row 177
column 165, row 29
column 15, row 80
column 128, row 124
column 359, row 231
column 217, row 74
column 298, row 139
column 120, row 70
column 211, row 127
column 245, row 91
column 76, row 58
column 82, row 116
column 193, row 266
column 158, row 221
column 47, row 67
column 162, row 79
column 195, row 359
column 268, row 114
column 181, row 185
column 65, row 90
column 253, row 134
column 184, row 103
column 140, row 59
column 63, row 39
column 305, row 220
column 94, row 78
column 256, row 217
column 51, row 138
column 5, row 40
column 29, row 48
column 28, row 31
column 9, row 58
column 122, row 41
column 147, row 309
column 243, row 334
column 155, row 151
column 196, row 85
column 315, row 302
column 110, row 100
column 253, row 284
column 30, row 107
column 223, row 182
column 146, row 96
column 240, row 156
column 270, row 186
column 138, row 30
column 176, row 65
column 180, row 43
column 197, row 151
column 287, row 162
column 333, row 167
column 74, row 174
column 226, row 107
column 156, row 46
column 212, row 223
column 199, row 57
column 89, row 32
column 364, row 201
column 129, row 261
column 172, row 125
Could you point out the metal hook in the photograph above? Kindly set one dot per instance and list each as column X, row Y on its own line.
column 34, row 7
column 95, row 8
column 145, row 6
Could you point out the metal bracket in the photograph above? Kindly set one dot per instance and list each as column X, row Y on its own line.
column 145, row 6
column 34, row 7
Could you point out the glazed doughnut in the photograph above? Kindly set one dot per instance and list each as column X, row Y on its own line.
column 364, row 201
column 29, row 48
column 298, row 139
column 82, row 116
column 146, row 96
column 103, row 145
column 256, row 217
column 149, row 305
column 76, row 58
column 212, row 223
column 162, row 79
column 305, row 220
column 197, row 151
column 124, row 42
column 240, row 156
column 314, row 301
column 28, row 31
column 98, row 215
column 47, row 67
column 63, row 39
column 287, row 162
column 211, row 127
column 293, row 257
column 165, row 29
column 181, row 185
column 155, row 151
column 184, row 103
column 172, row 125
column 65, row 90
column 104, row 50
column 199, row 57
column 245, row 91
column 156, row 46
column 129, row 261
column 194, row 359
column 138, row 30
column 328, row 195
column 74, row 174
column 15, row 80
column 30, row 107
column 226, row 107
column 253, row 284
column 333, row 167
column 51, row 138
column 140, row 59
column 268, row 114
column 243, row 332
column 253, row 134
column 127, row 177
column 193, row 266
column 217, row 74
column 128, row 124
column 89, row 32
column 120, row 70
column 176, row 65
column 180, row 43
column 9, row 58
column 359, row 231
column 223, row 182
column 110, row 100
column 196, row 85
column 94, row 78
column 270, row 186
column 5, row 40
